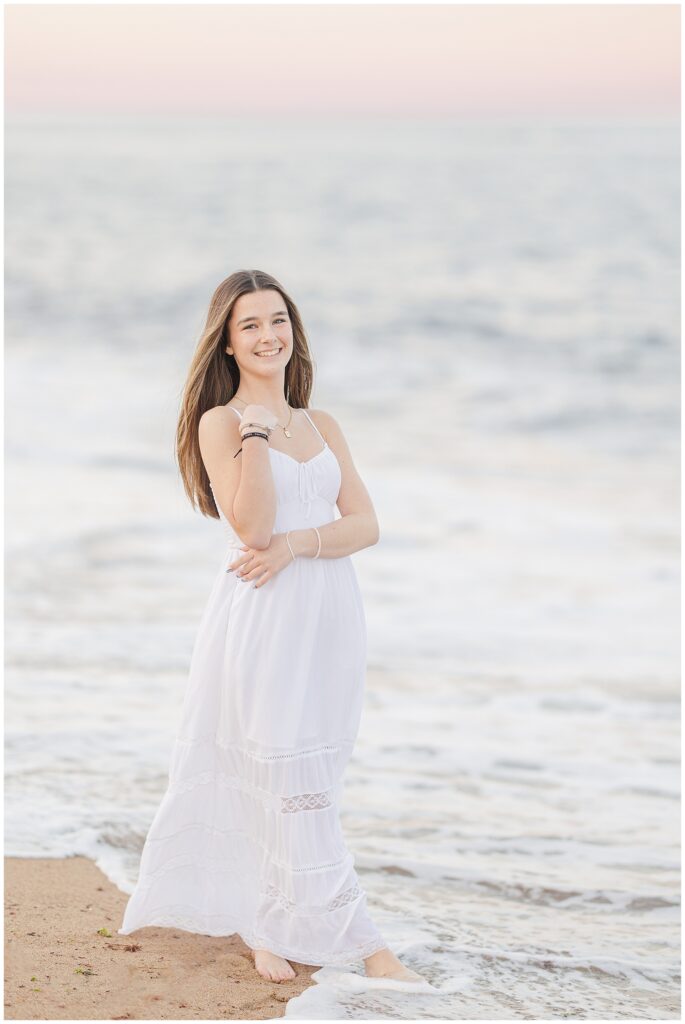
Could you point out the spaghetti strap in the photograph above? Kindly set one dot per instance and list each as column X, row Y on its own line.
column 315, row 427
column 238, row 414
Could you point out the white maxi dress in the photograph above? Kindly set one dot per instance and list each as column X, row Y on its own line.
column 247, row 838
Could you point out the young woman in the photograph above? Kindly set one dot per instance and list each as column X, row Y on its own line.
column 247, row 838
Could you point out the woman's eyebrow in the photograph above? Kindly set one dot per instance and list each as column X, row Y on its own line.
column 279, row 313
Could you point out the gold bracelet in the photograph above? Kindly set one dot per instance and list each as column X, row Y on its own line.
column 319, row 536
column 287, row 537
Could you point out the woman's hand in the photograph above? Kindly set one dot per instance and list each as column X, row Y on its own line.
column 259, row 565
column 260, row 414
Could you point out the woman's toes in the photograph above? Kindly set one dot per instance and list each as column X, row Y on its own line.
column 272, row 967
column 395, row 971
column 404, row 974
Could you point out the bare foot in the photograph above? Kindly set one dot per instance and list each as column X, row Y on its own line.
column 271, row 966
column 384, row 964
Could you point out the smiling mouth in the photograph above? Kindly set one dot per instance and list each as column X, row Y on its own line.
column 269, row 354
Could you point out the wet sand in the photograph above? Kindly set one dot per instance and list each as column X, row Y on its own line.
column 59, row 967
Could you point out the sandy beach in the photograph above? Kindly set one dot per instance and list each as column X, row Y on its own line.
column 58, row 964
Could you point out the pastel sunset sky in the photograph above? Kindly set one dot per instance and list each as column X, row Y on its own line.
column 395, row 59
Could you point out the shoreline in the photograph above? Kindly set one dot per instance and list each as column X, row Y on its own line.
column 59, row 967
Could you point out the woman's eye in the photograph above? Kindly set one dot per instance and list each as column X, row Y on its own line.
column 280, row 320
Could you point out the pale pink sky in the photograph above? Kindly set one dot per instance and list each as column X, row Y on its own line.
column 395, row 59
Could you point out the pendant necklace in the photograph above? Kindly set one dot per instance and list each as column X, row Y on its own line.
column 283, row 428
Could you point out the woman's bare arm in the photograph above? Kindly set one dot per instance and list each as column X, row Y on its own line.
column 243, row 486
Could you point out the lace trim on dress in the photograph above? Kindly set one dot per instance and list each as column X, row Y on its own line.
column 304, row 802
column 348, row 896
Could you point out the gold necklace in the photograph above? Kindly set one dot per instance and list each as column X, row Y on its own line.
column 283, row 428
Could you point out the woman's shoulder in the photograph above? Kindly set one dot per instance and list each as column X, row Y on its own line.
column 215, row 419
column 325, row 422
column 323, row 418
column 218, row 412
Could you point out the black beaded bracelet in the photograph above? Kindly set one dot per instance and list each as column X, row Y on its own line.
column 252, row 433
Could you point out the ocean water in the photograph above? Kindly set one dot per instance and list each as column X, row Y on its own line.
column 493, row 310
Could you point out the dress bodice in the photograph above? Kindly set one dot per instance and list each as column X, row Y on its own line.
column 306, row 492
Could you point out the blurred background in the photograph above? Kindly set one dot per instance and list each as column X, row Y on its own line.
column 476, row 210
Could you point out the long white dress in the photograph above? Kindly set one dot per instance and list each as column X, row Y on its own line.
column 247, row 838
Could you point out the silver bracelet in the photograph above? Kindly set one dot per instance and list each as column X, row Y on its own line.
column 260, row 426
column 287, row 537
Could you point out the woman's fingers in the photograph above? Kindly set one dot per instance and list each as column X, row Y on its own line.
column 246, row 573
column 238, row 562
column 250, row 575
column 257, row 575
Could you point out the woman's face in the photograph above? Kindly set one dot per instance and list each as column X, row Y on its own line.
column 259, row 322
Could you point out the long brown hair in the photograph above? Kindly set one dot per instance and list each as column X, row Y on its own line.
column 213, row 377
